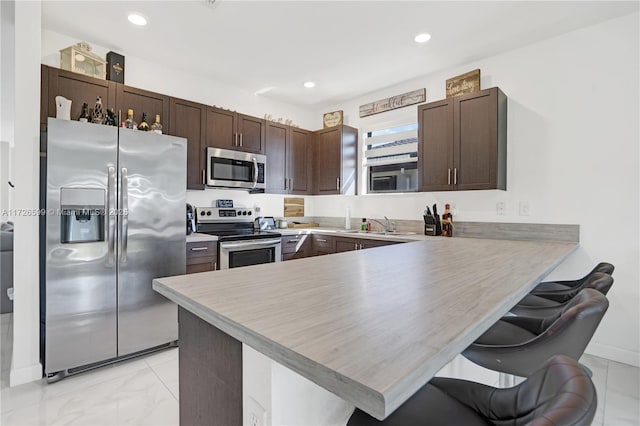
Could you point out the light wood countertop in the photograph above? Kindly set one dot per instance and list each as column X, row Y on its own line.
column 371, row 326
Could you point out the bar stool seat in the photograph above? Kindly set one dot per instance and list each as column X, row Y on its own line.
column 558, row 394
column 518, row 345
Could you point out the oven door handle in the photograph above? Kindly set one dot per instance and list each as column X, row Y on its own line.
column 249, row 243
column 255, row 172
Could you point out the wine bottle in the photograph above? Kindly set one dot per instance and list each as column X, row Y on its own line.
column 130, row 123
column 157, row 127
column 144, row 126
column 98, row 115
column 84, row 115
column 111, row 119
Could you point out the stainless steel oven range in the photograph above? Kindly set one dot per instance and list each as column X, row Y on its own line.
column 238, row 243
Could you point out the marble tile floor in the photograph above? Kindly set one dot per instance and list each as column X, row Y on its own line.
column 144, row 391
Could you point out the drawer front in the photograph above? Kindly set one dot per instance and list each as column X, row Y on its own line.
column 201, row 264
column 202, row 249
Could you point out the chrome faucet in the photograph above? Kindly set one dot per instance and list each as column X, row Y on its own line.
column 389, row 226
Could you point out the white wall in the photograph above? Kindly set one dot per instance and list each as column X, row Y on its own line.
column 573, row 117
column 25, row 365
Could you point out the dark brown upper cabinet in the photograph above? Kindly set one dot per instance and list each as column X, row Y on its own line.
column 76, row 87
column 189, row 120
column 143, row 101
column 231, row 130
column 300, row 161
column 277, row 139
column 462, row 142
column 335, row 153
column 289, row 159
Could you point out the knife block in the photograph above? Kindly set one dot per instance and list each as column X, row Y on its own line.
column 432, row 226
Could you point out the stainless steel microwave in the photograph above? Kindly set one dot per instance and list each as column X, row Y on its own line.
column 235, row 169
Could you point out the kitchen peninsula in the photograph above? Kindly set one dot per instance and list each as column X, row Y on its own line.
column 370, row 326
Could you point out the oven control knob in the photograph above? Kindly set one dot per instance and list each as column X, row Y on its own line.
column 244, row 213
column 202, row 213
column 209, row 213
column 249, row 213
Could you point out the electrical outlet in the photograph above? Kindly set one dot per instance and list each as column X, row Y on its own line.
column 254, row 420
column 256, row 415
column 524, row 208
column 501, row 208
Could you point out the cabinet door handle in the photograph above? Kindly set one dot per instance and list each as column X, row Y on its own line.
column 285, row 183
column 360, row 246
column 199, row 248
column 338, row 184
column 240, row 139
column 215, row 266
column 203, row 178
column 455, row 175
column 321, row 241
column 235, row 139
column 449, row 176
column 292, row 241
column 356, row 246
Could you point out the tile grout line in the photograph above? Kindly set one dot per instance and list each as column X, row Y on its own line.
column 606, row 391
column 162, row 381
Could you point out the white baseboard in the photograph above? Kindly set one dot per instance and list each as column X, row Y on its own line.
column 19, row 376
column 614, row 354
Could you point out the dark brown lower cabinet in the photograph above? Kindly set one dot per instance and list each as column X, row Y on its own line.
column 346, row 244
column 296, row 246
column 349, row 244
column 202, row 257
column 322, row 245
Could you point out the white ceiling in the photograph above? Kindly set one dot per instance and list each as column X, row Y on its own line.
column 349, row 48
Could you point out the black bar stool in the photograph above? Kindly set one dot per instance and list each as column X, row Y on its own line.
column 560, row 394
column 518, row 345
column 551, row 286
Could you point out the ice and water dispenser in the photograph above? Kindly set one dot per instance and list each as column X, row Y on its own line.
column 82, row 215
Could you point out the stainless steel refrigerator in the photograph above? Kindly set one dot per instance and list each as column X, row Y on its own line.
column 115, row 202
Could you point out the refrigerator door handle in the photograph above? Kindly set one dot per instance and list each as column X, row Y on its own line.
column 124, row 213
column 111, row 226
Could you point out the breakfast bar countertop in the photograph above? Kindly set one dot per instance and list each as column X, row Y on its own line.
column 372, row 326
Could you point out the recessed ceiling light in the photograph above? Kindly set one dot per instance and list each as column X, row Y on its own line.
column 309, row 84
column 136, row 19
column 422, row 38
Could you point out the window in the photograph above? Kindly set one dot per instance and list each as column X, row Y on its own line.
column 391, row 159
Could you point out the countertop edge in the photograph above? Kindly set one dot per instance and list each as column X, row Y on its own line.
column 200, row 238
column 323, row 376
column 398, row 394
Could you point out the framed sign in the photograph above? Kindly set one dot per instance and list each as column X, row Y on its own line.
column 394, row 102
column 332, row 119
column 468, row 82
